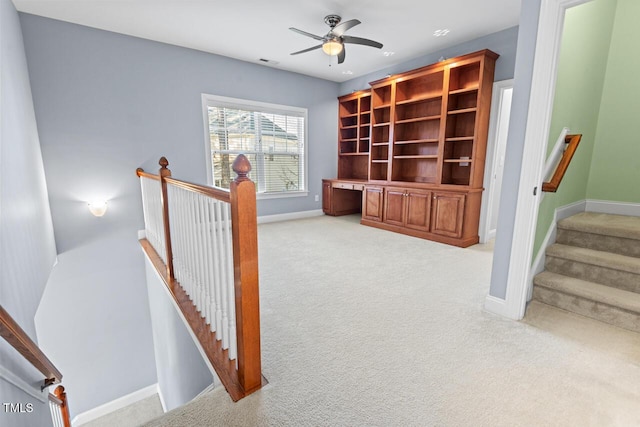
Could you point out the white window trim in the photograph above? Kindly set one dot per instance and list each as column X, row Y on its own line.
column 257, row 106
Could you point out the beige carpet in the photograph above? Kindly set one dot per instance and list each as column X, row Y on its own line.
column 363, row 327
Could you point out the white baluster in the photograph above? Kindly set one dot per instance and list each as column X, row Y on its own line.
column 224, row 326
column 230, row 282
column 217, row 293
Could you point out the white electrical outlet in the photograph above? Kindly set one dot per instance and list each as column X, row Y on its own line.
column 317, row 198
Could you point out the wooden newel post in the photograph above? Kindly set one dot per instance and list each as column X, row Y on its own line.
column 165, row 172
column 245, row 266
column 64, row 408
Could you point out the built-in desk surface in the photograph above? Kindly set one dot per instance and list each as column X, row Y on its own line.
column 342, row 196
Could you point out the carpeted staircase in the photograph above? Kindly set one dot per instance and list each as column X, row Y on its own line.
column 593, row 269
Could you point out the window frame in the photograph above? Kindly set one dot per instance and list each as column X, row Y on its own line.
column 209, row 100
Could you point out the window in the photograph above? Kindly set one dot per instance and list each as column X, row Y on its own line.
column 273, row 137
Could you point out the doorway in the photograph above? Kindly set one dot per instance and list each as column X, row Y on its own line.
column 498, row 130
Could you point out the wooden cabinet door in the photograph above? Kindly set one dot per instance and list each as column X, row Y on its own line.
column 447, row 214
column 326, row 197
column 394, row 206
column 418, row 209
column 372, row 203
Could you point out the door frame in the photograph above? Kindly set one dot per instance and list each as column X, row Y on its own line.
column 497, row 118
column 543, row 81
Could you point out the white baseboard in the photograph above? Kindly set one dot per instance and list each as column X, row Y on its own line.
column 289, row 216
column 496, row 306
column 161, row 397
column 617, row 208
column 115, row 405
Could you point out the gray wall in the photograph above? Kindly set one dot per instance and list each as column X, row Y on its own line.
column 515, row 142
column 503, row 43
column 107, row 104
column 27, row 249
column 182, row 373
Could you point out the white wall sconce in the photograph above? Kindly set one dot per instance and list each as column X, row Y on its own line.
column 98, row 207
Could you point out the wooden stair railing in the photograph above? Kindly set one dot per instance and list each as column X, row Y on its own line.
column 59, row 408
column 244, row 378
column 18, row 339
column 552, row 185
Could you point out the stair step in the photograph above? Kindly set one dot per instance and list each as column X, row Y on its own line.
column 610, row 305
column 605, row 268
column 604, row 232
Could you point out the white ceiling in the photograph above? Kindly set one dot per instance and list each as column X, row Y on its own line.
column 252, row 29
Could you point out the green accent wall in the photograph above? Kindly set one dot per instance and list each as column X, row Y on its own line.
column 615, row 168
column 579, row 89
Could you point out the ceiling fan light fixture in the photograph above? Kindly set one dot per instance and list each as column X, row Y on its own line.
column 332, row 47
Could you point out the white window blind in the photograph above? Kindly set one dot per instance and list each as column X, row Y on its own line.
column 272, row 137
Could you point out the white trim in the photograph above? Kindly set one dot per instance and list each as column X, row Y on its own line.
column 550, row 238
column 496, row 109
column 550, row 27
column 142, row 234
column 617, row 208
column 184, row 319
column 114, row 405
column 495, row 305
column 161, row 397
column 15, row 380
column 207, row 389
column 289, row 216
column 244, row 104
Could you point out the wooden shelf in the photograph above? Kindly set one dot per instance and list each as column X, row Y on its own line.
column 417, row 119
column 417, row 141
column 354, row 154
column 463, row 90
column 380, row 143
column 349, row 127
column 381, row 124
column 463, row 111
column 419, row 99
column 379, row 161
column 457, row 160
column 431, row 156
column 460, row 138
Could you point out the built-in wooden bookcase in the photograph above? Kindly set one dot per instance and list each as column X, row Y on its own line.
column 354, row 143
column 425, row 147
column 381, row 97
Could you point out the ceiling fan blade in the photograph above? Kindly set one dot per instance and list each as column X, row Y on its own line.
column 341, row 55
column 360, row 40
column 342, row 27
column 307, row 50
column 304, row 33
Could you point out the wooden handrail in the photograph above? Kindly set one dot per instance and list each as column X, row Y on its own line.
column 216, row 193
column 59, row 398
column 552, row 185
column 241, row 195
column 18, row 338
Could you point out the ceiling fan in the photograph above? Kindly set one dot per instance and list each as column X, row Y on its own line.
column 333, row 42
